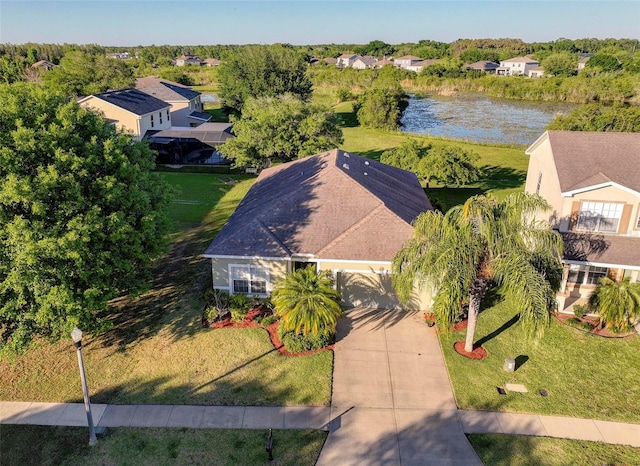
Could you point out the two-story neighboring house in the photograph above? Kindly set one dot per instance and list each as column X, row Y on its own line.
column 362, row 63
column 131, row 110
column 406, row 61
column 592, row 181
column 188, row 60
column 516, row 66
column 186, row 106
column 346, row 60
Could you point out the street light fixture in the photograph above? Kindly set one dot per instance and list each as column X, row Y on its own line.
column 76, row 336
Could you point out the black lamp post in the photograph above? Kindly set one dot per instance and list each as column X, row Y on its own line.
column 76, row 335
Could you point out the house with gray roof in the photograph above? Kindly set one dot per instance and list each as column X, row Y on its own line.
column 592, row 181
column 131, row 110
column 482, row 65
column 406, row 61
column 186, row 106
column 516, row 66
column 334, row 211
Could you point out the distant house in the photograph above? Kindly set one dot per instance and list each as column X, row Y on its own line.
column 483, row 65
column 517, row 66
column 583, row 62
column 188, row 60
column 362, row 63
column 44, row 65
column 406, row 61
column 131, row 111
column 330, row 61
column 186, row 106
column 190, row 146
column 333, row 211
column 211, row 62
column 119, row 55
column 536, row 72
column 346, row 60
column 382, row 63
column 592, row 181
column 418, row 66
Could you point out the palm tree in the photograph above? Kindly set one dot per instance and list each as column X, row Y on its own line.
column 307, row 303
column 617, row 303
column 482, row 243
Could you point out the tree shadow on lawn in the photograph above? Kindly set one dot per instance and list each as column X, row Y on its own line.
column 172, row 303
column 224, row 390
column 495, row 178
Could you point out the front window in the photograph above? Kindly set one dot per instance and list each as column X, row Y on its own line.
column 586, row 274
column 599, row 216
column 249, row 279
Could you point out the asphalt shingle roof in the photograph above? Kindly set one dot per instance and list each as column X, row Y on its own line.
column 585, row 158
column 166, row 90
column 601, row 249
column 333, row 205
column 133, row 100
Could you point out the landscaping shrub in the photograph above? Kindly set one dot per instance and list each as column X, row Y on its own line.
column 211, row 313
column 343, row 95
column 577, row 323
column 297, row 343
column 268, row 320
column 240, row 302
column 218, row 303
column 579, row 311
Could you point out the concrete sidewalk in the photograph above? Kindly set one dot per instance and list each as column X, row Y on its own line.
column 214, row 417
column 489, row 422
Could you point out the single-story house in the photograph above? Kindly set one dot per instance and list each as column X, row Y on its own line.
column 418, row 66
column 334, row 211
column 536, row 72
column 131, row 110
column 186, row 106
column 362, row 63
column 44, row 65
column 188, row 60
column 592, row 181
column 211, row 62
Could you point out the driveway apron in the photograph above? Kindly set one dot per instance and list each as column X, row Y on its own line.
column 392, row 400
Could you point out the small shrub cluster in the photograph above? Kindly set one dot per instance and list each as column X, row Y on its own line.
column 239, row 305
column 577, row 323
column 297, row 343
column 217, row 305
column 579, row 311
column 267, row 320
column 344, row 95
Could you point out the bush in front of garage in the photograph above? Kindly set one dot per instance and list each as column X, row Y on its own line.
column 298, row 343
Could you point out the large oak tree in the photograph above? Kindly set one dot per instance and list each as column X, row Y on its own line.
column 82, row 216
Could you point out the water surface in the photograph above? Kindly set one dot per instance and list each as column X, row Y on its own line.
column 478, row 118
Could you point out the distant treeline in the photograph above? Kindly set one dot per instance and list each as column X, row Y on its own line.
column 619, row 82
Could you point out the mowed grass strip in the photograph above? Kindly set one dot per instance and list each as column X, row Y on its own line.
column 513, row 450
column 584, row 375
column 158, row 351
column 157, row 447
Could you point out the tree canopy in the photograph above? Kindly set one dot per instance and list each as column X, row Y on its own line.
column 595, row 117
column 381, row 108
column 283, row 128
column 262, row 71
column 81, row 74
column 483, row 243
column 560, row 64
column 448, row 164
column 81, row 215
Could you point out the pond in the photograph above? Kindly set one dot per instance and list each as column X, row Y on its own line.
column 478, row 118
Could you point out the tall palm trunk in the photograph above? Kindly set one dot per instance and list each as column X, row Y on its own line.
column 477, row 292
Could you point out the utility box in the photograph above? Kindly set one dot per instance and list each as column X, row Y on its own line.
column 509, row 365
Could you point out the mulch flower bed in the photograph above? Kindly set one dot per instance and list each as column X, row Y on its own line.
column 478, row 352
column 593, row 323
column 272, row 330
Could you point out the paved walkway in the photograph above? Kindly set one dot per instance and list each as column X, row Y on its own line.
column 392, row 404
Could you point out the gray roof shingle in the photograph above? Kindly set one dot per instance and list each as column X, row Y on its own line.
column 333, row 205
column 585, row 158
column 133, row 100
column 166, row 90
column 602, row 249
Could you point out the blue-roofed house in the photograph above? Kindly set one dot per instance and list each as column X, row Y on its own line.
column 131, row 110
column 186, row 106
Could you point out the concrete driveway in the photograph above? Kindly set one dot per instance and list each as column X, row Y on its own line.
column 392, row 401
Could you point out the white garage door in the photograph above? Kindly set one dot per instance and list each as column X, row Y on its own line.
column 367, row 290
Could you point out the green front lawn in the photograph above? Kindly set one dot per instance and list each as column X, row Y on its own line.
column 157, row 350
column 514, row 450
column 157, row 447
column 585, row 376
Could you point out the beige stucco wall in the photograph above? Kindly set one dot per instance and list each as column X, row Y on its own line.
column 541, row 162
column 220, row 271
column 180, row 110
column 126, row 121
